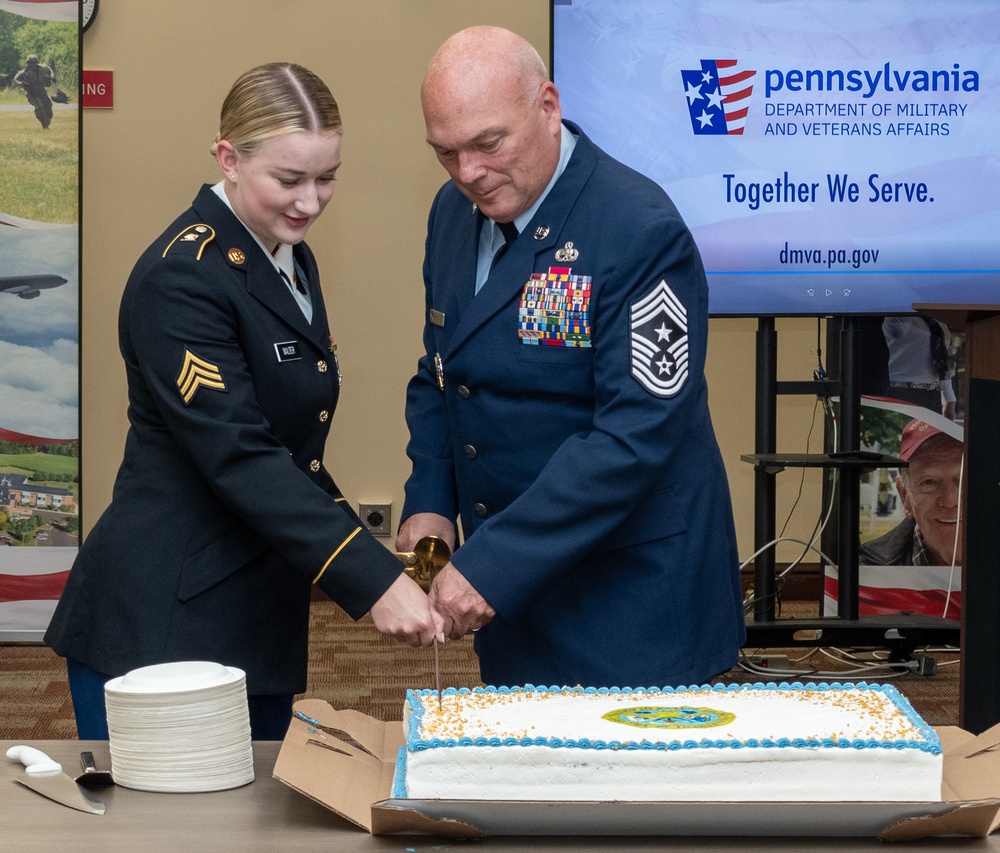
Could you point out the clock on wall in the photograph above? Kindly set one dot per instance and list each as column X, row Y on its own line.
column 88, row 12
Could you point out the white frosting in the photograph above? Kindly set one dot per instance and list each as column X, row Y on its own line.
column 822, row 743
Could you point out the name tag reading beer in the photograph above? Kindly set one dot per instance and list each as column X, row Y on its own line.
column 288, row 351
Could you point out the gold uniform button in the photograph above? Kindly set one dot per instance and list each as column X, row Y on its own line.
column 324, row 416
column 322, row 366
column 314, row 466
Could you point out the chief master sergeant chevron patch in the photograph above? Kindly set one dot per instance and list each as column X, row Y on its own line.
column 659, row 347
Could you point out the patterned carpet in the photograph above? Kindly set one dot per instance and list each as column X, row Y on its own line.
column 353, row 666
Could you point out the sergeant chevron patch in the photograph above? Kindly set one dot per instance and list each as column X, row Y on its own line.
column 659, row 349
column 195, row 373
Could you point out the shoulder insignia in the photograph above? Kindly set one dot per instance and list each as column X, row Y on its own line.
column 659, row 347
column 191, row 241
column 197, row 373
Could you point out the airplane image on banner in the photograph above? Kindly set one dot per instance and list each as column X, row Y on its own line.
column 29, row 286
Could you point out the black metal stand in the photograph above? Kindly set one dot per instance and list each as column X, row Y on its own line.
column 901, row 635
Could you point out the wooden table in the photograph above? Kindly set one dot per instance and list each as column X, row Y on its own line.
column 266, row 816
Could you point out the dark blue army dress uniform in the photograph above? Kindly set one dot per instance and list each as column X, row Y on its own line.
column 562, row 415
column 223, row 515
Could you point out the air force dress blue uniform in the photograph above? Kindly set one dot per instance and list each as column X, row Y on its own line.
column 223, row 515
column 562, row 415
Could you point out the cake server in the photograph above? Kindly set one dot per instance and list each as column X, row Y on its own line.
column 46, row 777
column 91, row 776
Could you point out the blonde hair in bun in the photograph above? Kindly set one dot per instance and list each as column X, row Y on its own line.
column 274, row 99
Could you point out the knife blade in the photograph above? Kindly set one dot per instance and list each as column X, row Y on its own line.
column 46, row 777
column 437, row 673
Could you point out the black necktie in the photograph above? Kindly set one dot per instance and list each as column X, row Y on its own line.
column 299, row 286
column 509, row 231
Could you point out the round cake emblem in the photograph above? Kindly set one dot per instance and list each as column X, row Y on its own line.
column 663, row 717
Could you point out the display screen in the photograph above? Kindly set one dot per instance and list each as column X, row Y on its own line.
column 835, row 157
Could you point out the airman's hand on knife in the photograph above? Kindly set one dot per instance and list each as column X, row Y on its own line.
column 422, row 524
column 406, row 613
column 454, row 598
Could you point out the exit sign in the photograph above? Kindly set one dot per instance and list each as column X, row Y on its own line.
column 98, row 90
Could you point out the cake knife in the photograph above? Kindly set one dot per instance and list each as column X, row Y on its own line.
column 429, row 555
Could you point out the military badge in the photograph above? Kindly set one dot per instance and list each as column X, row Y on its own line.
column 659, row 347
column 567, row 254
column 439, row 370
column 555, row 309
column 197, row 373
column 191, row 240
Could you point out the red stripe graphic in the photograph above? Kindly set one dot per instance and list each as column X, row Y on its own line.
column 877, row 600
column 32, row 587
column 23, row 438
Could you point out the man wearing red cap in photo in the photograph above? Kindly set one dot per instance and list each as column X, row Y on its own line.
column 929, row 489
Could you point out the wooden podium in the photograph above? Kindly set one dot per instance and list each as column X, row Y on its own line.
column 979, row 702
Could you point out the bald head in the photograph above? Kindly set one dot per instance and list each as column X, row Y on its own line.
column 479, row 58
column 493, row 119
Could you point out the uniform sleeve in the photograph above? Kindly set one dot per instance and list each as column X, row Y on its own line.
column 431, row 485
column 649, row 411
column 186, row 343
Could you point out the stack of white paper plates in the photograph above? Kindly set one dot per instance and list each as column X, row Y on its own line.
column 181, row 726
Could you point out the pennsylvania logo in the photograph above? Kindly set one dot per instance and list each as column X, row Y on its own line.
column 196, row 373
column 659, row 350
column 717, row 97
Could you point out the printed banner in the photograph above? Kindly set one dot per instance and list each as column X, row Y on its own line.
column 39, row 311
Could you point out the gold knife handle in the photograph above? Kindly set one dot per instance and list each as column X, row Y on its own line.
column 428, row 557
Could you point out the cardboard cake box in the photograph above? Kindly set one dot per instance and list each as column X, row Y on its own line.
column 346, row 763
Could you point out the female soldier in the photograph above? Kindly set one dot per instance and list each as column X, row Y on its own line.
column 223, row 515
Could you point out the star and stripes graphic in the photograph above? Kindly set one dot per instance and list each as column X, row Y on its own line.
column 717, row 97
column 659, row 347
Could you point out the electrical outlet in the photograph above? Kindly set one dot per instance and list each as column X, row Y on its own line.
column 377, row 518
column 769, row 661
